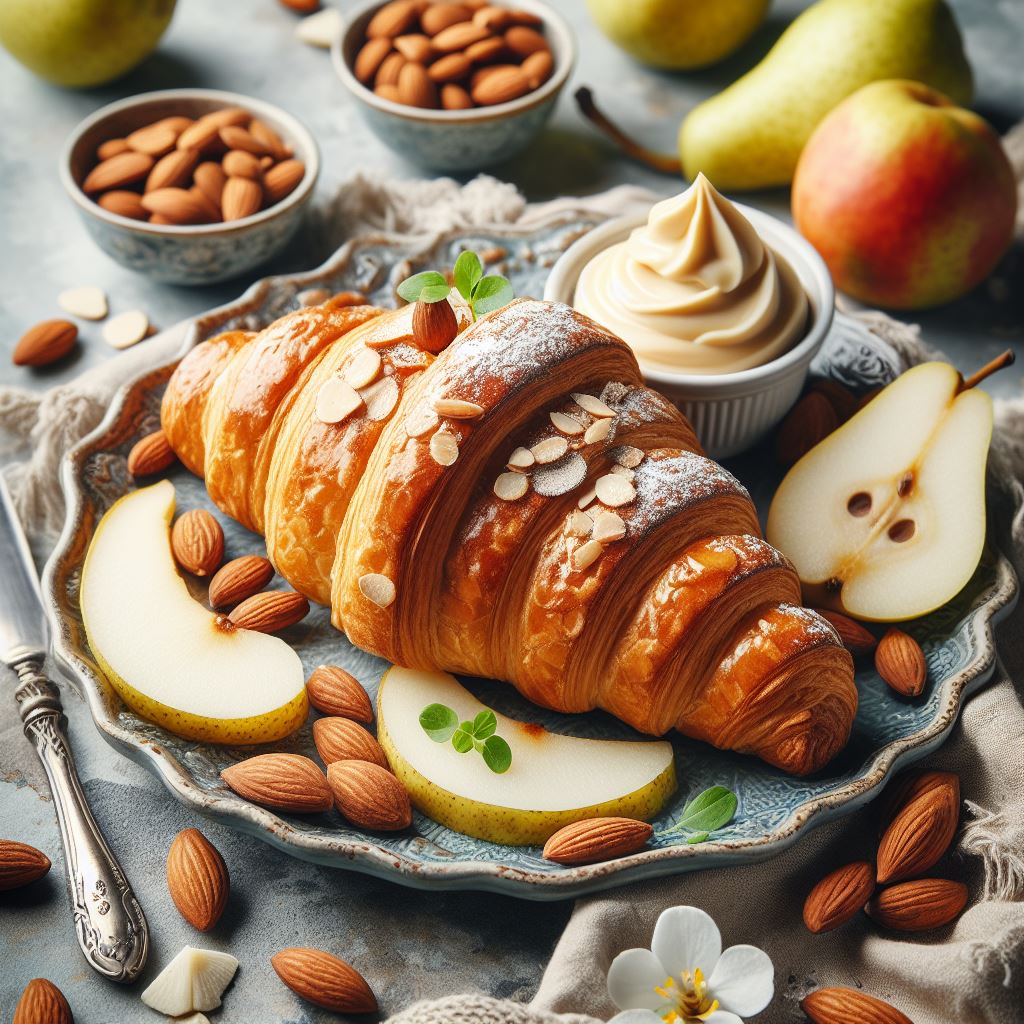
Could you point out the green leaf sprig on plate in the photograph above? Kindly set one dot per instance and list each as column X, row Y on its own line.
column 706, row 812
column 483, row 293
column 441, row 724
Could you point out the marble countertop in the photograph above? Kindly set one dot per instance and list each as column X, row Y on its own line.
column 408, row 944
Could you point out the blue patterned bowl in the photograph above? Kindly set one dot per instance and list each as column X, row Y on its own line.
column 458, row 140
column 194, row 253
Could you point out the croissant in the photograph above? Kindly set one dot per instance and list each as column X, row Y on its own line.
column 519, row 506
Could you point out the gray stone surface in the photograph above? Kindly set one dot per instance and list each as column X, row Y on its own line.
column 408, row 944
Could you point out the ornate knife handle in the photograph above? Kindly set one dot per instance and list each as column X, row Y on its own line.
column 109, row 922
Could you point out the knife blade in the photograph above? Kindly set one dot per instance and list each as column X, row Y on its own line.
column 109, row 923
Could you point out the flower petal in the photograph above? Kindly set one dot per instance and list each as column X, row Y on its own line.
column 686, row 938
column 632, row 979
column 720, row 1017
column 642, row 1017
column 743, row 980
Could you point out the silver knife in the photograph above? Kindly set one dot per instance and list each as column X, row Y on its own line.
column 109, row 922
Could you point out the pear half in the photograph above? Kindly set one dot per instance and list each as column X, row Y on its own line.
column 172, row 660
column 553, row 780
column 885, row 519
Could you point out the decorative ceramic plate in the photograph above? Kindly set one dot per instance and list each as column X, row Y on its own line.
column 774, row 809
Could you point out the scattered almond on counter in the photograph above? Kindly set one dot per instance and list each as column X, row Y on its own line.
column 126, row 329
column 282, row 782
column 270, row 611
column 45, row 343
column 597, row 839
column 899, row 660
column 918, row 835
column 86, row 301
column 239, row 579
column 20, row 864
column 324, row 980
column 919, row 905
column 197, row 879
column 369, row 796
column 848, row 1006
column 42, row 1003
column 909, row 786
column 336, row 692
column 197, row 542
column 839, row 896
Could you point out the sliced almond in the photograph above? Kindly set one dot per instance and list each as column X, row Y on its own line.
column 364, row 368
column 456, row 409
column 566, row 424
column 421, row 421
column 88, row 302
column 511, row 486
column 380, row 398
column 320, row 29
column 614, row 490
column 521, row 459
column 623, row 471
column 580, row 524
column 608, row 527
column 593, row 405
column 586, row 554
column 379, row 589
column 126, row 329
column 597, row 431
column 587, row 498
column 444, row 448
column 629, row 457
column 336, row 400
column 551, row 449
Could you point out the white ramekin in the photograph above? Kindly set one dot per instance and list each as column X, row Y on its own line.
column 729, row 411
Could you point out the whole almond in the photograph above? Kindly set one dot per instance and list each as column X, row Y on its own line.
column 172, row 170
column 150, row 454
column 270, row 611
column 523, row 41
column 370, row 58
column 415, row 87
column 336, row 692
column 340, row 739
column 197, row 542
column 387, row 92
column 209, row 178
column 176, row 122
column 459, row 36
column 281, row 179
column 154, row 139
column 42, row 1003
column 20, row 864
column 301, row 6
column 810, row 421
column 839, row 896
column 45, row 343
column 597, row 839
column 843, row 400
column 494, row 19
column 415, row 47
column 324, row 980
column 848, row 1006
column 899, row 660
column 389, row 70
column 211, row 209
column 919, row 835
column 369, row 796
column 434, row 325
column 918, row 906
column 110, row 148
column 505, row 83
column 239, row 164
column 264, row 134
column 909, row 786
column 197, row 879
column 856, row 639
column 228, row 116
column 439, row 16
column 486, row 50
column 283, row 782
column 392, row 19
column 236, row 137
column 124, row 169
column 238, row 579
column 203, row 136
column 454, row 97
column 538, row 67
column 450, row 67
column 241, row 197
column 124, row 204
column 178, row 205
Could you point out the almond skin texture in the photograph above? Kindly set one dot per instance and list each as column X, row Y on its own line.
column 918, row 906
column 899, row 660
column 178, row 205
column 848, row 1006
column 324, row 980
column 856, row 639
column 197, row 879
column 150, row 454
column 281, row 179
column 42, row 1003
column 45, row 343
column 242, row 197
column 434, row 325
column 336, row 692
column 839, row 896
column 340, row 739
column 392, row 19
column 155, row 139
column 284, row 782
column 502, row 85
column 20, row 864
column 197, row 542
column 919, row 835
column 597, row 839
column 369, row 796
column 270, row 611
column 811, row 420
column 370, row 58
column 124, row 169
column 910, row 785
column 415, row 87
column 238, row 579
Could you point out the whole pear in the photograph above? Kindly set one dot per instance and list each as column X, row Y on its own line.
column 678, row 34
column 751, row 134
column 82, row 42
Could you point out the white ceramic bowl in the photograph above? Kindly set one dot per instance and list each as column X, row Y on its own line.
column 729, row 411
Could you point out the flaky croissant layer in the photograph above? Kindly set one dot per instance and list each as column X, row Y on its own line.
column 519, row 506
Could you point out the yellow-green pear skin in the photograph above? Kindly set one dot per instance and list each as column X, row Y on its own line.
column 751, row 134
column 678, row 34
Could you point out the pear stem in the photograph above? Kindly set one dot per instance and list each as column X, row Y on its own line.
column 658, row 161
column 1004, row 359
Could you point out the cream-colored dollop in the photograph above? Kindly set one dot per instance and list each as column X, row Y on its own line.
column 695, row 289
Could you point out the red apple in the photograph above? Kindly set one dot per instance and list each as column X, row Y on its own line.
column 909, row 198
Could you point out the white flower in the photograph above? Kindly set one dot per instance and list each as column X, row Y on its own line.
column 685, row 976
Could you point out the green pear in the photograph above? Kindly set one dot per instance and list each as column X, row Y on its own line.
column 751, row 134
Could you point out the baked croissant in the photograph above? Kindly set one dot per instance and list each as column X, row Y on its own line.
column 518, row 506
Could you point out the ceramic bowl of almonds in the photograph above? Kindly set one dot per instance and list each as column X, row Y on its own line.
column 190, row 186
column 455, row 86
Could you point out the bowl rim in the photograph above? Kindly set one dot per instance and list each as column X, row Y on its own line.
column 561, row 287
column 565, row 61
column 302, row 135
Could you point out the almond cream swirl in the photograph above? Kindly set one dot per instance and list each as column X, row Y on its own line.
column 696, row 290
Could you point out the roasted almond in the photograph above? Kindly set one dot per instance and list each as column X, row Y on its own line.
column 241, row 197
column 155, row 139
column 523, row 41
column 239, row 579
column 839, row 896
column 369, row 796
column 597, row 839
column 918, row 906
column 324, row 980
column 197, row 879
column 234, row 136
column 505, row 83
column 176, row 122
column 197, row 542
column 387, row 92
column 42, row 1003
column 919, row 835
column 538, row 67
column 210, row 208
column 459, row 36
column 899, row 660
column 415, row 87
column 856, row 639
column 454, row 97
column 20, row 864
column 239, row 164
column 111, row 148
column 486, row 50
column 150, row 454
column 336, row 692
column 415, row 47
column 340, row 739
column 494, row 19
column 203, row 136
column 178, row 205
column 450, row 67
column 281, row 179
column 124, row 169
column 283, row 782
column 228, row 116
column 389, row 70
column 434, row 325
column 392, row 19
column 45, row 343
column 264, row 134
column 173, row 170
column 909, row 786
column 124, row 204
column 270, row 612
column 209, row 178
column 439, row 16
column 848, row 1006
column 370, row 58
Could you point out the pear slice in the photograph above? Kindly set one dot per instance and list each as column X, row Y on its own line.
column 885, row 519
column 194, row 980
column 553, row 779
column 172, row 660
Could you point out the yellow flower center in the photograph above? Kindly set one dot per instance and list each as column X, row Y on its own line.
column 686, row 1001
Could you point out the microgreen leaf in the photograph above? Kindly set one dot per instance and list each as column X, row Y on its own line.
column 468, row 270
column 709, row 810
column 490, row 293
column 462, row 741
column 497, row 754
column 438, row 722
column 411, row 288
column 698, row 837
column 435, row 292
column 485, row 724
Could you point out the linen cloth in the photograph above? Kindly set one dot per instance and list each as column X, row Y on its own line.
column 970, row 971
